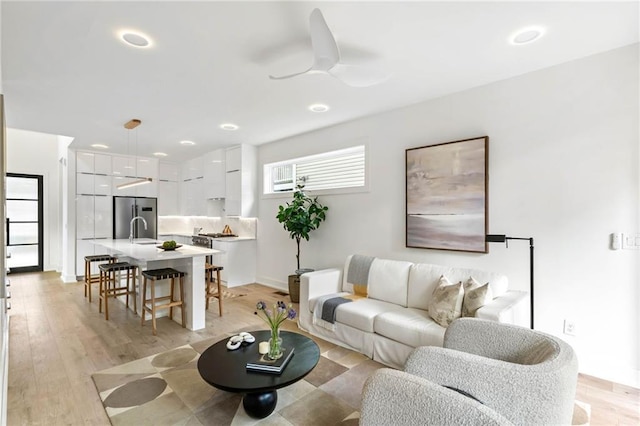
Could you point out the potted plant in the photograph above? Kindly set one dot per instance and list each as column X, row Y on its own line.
column 299, row 217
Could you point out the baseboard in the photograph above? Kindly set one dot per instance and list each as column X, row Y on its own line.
column 278, row 285
column 68, row 278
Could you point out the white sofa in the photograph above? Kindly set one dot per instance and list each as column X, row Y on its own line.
column 393, row 319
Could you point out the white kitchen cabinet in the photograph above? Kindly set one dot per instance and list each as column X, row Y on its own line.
column 97, row 179
column 125, row 192
column 103, row 216
column 90, row 184
column 84, row 216
column 168, row 204
column 123, row 165
column 238, row 258
column 102, row 185
column 233, row 189
column 192, row 169
column 102, row 164
column 168, row 172
column 241, row 181
column 94, row 163
column 85, row 183
column 233, row 158
column 168, row 189
column 192, row 201
column 84, row 162
column 215, row 174
column 148, row 189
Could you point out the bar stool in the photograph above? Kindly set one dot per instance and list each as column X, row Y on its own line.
column 110, row 288
column 93, row 279
column 209, row 269
column 162, row 274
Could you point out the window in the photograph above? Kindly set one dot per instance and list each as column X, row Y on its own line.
column 344, row 168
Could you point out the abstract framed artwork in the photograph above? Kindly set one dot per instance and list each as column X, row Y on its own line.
column 446, row 195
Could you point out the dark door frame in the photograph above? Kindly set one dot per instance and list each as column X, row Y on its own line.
column 40, row 266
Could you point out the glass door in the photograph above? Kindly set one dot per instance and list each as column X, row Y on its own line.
column 24, row 225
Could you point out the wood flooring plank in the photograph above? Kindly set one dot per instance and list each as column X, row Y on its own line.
column 58, row 340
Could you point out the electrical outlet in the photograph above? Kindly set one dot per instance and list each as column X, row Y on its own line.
column 570, row 328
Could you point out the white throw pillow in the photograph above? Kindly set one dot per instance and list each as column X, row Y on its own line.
column 446, row 302
column 475, row 297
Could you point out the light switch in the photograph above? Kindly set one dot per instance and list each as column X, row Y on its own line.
column 631, row 241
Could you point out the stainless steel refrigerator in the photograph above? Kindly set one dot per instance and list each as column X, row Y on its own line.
column 126, row 208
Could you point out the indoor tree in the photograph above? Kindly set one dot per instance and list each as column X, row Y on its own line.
column 301, row 216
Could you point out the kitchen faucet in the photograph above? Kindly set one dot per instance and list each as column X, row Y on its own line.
column 131, row 227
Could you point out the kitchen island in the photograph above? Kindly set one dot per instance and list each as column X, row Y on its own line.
column 189, row 259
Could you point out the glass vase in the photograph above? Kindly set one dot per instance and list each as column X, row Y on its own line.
column 275, row 345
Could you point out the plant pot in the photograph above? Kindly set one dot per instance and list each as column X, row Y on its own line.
column 294, row 284
column 294, row 288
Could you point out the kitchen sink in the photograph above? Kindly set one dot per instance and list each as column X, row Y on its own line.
column 147, row 243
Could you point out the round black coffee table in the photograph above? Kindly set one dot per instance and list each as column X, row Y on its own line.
column 226, row 370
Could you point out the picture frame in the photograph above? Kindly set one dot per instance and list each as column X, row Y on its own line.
column 447, row 195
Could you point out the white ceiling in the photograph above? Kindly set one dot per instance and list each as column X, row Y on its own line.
column 64, row 71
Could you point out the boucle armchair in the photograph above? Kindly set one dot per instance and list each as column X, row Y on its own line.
column 486, row 373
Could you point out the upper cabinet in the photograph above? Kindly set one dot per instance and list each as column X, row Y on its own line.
column 101, row 174
column 192, row 169
column 93, row 163
column 168, row 172
column 241, row 181
column 191, row 192
column 234, row 159
column 214, row 174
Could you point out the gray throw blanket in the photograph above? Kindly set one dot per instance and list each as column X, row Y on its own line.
column 358, row 273
column 324, row 314
column 329, row 308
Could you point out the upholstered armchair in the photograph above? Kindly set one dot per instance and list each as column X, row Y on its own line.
column 487, row 373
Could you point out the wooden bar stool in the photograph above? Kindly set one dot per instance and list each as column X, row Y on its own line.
column 88, row 277
column 209, row 269
column 149, row 305
column 110, row 284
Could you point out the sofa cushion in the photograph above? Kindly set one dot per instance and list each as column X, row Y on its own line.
column 446, row 302
column 424, row 278
column 361, row 313
column 475, row 297
column 388, row 281
column 413, row 327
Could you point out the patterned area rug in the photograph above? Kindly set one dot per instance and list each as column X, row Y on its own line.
column 166, row 389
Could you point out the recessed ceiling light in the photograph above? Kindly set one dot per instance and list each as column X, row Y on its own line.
column 135, row 39
column 527, row 35
column 160, row 154
column 318, row 108
column 229, row 126
column 100, row 146
column 187, row 143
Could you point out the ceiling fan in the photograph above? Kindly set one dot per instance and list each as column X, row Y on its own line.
column 326, row 58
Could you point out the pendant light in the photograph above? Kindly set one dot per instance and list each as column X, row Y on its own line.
column 129, row 125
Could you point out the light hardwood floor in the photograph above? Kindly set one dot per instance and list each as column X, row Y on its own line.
column 58, row 339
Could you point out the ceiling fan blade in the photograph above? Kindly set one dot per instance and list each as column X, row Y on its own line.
column 289, row 76
column 358, row 75
column 325, row 49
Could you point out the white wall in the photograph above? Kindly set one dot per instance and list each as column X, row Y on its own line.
column 37, row 154
column 563, row 166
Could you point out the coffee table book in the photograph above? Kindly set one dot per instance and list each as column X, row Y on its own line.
column 264, row 365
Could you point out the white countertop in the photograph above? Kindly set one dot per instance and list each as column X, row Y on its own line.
column 149, row 252
column 215, row 239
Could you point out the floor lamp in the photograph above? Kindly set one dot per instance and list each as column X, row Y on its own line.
column 496, row 238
